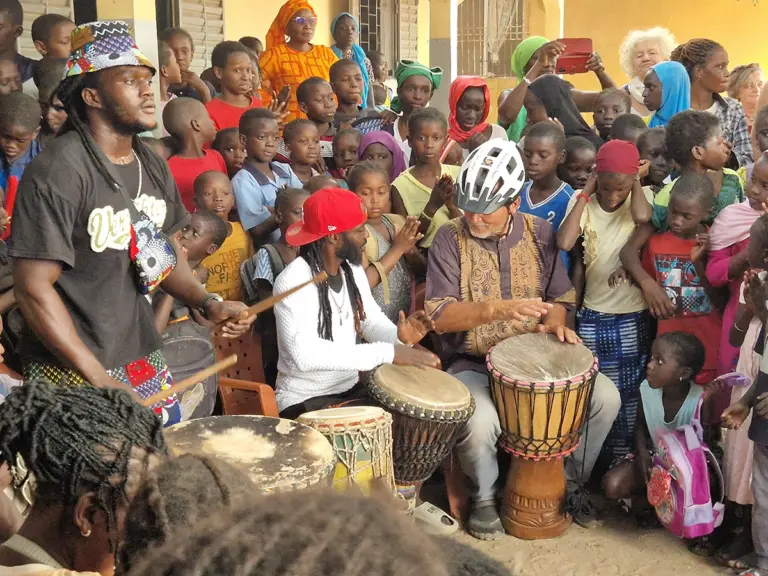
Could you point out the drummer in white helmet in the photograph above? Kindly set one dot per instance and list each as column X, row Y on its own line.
column 492, row 274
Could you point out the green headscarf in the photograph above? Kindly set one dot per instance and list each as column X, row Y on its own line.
column 520, row 57
column 407, row 68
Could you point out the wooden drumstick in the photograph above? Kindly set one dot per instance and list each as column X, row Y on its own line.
column 191, row 381
column 260, row 307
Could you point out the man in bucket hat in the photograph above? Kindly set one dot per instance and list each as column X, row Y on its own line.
column 84, row 255
column 319, row 330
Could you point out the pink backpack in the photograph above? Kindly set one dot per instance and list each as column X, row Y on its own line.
column 679, row 487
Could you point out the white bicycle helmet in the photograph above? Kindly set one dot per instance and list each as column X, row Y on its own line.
column 490, row 178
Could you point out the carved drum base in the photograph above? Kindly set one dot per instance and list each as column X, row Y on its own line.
column 533, row 500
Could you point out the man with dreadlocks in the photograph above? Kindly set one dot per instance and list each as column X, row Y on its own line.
column 319, row 362
column 84, row 208
column 88, row 449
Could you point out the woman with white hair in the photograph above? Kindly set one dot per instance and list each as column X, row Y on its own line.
column 744, row 85
column 640, row 50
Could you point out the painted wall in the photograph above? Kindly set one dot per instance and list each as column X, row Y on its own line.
column 246, row 18
column 737, row 24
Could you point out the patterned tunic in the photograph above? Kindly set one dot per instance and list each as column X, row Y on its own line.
column 523, row 264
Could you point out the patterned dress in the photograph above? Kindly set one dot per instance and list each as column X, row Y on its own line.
column 284, row 66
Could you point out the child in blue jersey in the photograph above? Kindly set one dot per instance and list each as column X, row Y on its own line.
column 544, row 194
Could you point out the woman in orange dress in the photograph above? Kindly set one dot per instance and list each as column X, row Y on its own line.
column 290, row 57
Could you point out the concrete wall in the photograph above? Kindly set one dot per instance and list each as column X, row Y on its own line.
column 736, row 24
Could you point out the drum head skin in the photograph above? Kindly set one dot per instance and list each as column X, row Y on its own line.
column 422, row 387
column 278, row 454
column 346, row 415
column 534, row 358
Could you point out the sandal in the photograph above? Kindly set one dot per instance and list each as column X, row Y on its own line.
column 731, row 554
column 485, row 524
column 435, row 521
column 702, row 546
column 646, row 518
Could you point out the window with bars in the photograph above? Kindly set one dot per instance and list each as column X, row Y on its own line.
column 370, row 24
column 204, row 20
column 474, row 56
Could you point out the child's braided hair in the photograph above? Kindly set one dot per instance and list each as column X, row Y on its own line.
column 694, row 53
column 302, row 533
column 176, row 496
column 78, row 439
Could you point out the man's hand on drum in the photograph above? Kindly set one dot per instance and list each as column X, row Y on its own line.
column 520, row 309
column 412, row 330
column 236, row 311
column 407, row 356
column 563, row 333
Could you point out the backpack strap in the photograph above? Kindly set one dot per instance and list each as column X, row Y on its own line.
column 696, row 422
column 247, row 270
column 275, row 260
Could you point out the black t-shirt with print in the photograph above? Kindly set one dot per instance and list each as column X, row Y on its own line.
column 67, row 211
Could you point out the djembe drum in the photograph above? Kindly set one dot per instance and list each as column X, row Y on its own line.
column 429, row 408
column 542, row 389
column 279, row 455
column 361, row 437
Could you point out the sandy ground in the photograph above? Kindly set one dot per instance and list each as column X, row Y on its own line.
column 617, row 548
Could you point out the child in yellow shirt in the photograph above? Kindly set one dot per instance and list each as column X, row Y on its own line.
column 213, row 191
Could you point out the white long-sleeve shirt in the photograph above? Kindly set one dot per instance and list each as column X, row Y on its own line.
column 310, row 366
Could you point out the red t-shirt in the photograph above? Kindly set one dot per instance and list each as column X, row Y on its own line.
column 667, row 258
column 185, row 170
column 225, row 115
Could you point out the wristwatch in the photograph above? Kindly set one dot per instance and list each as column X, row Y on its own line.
column 204, row 303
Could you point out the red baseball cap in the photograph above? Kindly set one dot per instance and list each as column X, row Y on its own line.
column 328, row 211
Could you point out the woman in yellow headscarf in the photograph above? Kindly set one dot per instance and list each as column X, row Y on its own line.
column 289, row 61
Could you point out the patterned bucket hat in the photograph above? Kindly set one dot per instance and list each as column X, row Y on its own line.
column 101, row 45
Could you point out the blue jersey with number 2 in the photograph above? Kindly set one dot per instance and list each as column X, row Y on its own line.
column 552, row 209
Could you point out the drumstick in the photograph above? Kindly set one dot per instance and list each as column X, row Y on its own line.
column 260, row 307
column 191, row 381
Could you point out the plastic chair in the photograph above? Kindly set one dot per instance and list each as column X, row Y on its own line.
column 242, row 398
column 250, row 365
column 240, row 387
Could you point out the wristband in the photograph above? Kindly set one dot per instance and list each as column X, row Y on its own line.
column 204, row 302
column 586, row 197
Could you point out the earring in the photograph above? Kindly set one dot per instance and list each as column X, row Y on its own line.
column 86, row 533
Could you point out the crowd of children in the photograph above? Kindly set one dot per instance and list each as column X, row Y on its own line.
column 660, row 221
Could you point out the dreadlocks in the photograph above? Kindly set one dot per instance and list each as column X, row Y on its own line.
column 78, row 439
column 70, row 92
column 299, row 534
column 176, row 496
column 311, row 253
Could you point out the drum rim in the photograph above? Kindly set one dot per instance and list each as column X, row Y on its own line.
column 404, row 408
column 332, row 426
column 548, row 384
column 324, row 469
column 551, row 385
column 385, row 389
